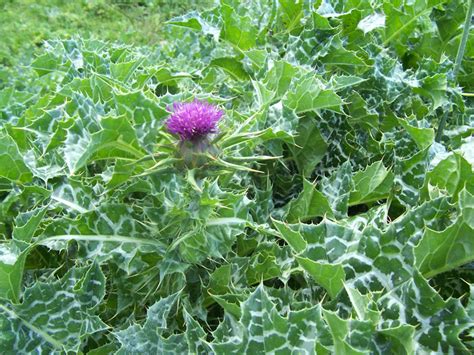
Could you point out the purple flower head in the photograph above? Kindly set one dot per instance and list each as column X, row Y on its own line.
column 193, row 120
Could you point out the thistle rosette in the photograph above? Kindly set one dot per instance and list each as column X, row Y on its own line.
column 193, row 122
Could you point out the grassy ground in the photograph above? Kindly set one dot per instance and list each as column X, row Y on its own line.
column 25, row 24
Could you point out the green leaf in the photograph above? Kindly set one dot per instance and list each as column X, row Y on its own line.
column 261, row 328
column 344, row 81
column 309, row 204
column 372, row 184
column 116, row 139
column 438, row 322
column 237, row 29
column 144, row 114
column 290, row 13
column 309, row 147
column 232, row 66
column 402, row 18
column 111, row 233
column 466, row 207
column 330, row 276
column 124, row 70
column 27, row 223
column 293, row 238
column 104, row 349
column 434, row 87
column 12, row 164
column 467, row 151
column 275, row 84
column 423, row 137
column 165, row 75
column 337, row 188
column 13, row 254
column 410, row 177
column 12, row 262
column 339, row 331
column 155, row 334
column 46, row 63
column 450, row 174
column 361, row 304
column 196, row 21
column 470, row 308
column 403, row 337
column 308, row 94
column 55, row 315
column 213, row 235
column 360, row 114
column 441, row 251
column 195, row 335
column 340, row 57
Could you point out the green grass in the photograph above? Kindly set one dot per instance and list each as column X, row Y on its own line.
column 26, row 24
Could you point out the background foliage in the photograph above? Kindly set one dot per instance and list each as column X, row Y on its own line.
column 328, row 221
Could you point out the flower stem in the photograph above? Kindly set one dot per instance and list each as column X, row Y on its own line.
column 465, row 35
column 457, row 65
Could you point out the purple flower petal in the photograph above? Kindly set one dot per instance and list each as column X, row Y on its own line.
column 193, row 120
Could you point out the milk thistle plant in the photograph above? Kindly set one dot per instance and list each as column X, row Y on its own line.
column 316, row 214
